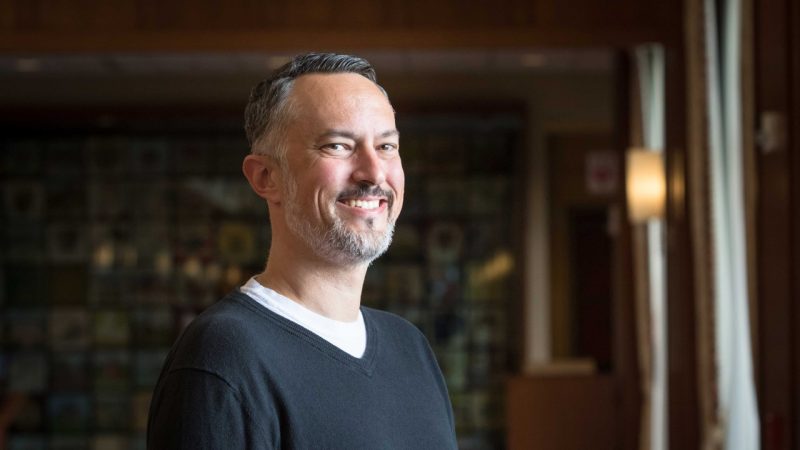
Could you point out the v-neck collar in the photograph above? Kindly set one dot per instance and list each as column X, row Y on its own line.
column 365, row 364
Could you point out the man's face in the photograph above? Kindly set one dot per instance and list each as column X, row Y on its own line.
column 343, row 180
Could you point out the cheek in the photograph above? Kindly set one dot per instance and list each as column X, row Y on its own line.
column 324, row 182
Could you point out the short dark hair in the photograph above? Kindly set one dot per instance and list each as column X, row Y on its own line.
column 266, row 110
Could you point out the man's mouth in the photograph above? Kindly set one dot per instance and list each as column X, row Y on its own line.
column 362, row 204
column 366, row 198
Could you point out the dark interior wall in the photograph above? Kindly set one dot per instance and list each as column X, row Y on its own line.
column 777, row 94
column 97, row 25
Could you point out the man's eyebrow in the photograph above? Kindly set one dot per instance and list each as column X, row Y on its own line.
column 337, row 133
column 389, row 133
column 350, row 135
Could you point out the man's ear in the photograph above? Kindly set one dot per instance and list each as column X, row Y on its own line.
column 264, row 176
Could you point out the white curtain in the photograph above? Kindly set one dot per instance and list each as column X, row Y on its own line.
column 736, row 391
column 650, row 65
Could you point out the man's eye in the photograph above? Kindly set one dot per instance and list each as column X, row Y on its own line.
column 335, row 147
column 388, row 147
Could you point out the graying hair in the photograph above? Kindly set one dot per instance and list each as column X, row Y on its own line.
column 267, row 110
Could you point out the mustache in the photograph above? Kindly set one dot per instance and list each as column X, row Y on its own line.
column 365, row 190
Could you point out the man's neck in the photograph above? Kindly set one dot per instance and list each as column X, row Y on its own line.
column 331, row 290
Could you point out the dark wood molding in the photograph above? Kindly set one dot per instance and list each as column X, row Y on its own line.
column 776, row 224
column 683, row 402
column 301, row 40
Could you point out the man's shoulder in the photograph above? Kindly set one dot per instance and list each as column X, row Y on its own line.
column 223, row 332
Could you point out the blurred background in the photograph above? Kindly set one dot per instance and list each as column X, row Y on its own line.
column 566, row 312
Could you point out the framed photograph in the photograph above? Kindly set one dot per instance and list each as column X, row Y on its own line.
column 192, row 156
column 445, row 240
column 155, row 288
column 141, row 407
column 31, row 417
column 154, row 327
column 111, row 328
column 68, row 442
column 446, row 196
column 483, row 238
column 149, row 156
column 107, row 288
column 138, row 441
column 27, row 372
column 71, row 371
column 23, row 201
column 455, row 367
column 489, row 195
column 21, row 157
column 404, row 283
column 108, row 199
column 26, row 328
column 108, row 156
column 444, row 285
column 26, row 285
column 64, row 156
column 449, row 331
column 107, row 441
column 236, row 242
column 406, row 243
column 69, row 412
column 415, row 200
column 446, row 153
column 151, row 199
column 113, row 246
column 480, row 369
column 373, row 293
column 153, row 244
column 148, row 364
column 492, row 152
column 67, row 199
column 193, row 239
column 112, row 411
column 228, row 154
column 25, row 243
column 112, row 369
column 69, row 329
column 483, row 285
column 27, row 441
column 488, row 328
column 68, row 284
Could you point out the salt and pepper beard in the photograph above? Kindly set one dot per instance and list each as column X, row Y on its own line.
column 339, row 243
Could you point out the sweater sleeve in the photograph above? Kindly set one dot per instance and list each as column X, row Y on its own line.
column 198, row 410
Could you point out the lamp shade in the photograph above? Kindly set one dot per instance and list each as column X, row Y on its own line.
column 645, row 185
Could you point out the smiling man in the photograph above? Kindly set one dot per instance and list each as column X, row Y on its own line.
column 292, row 360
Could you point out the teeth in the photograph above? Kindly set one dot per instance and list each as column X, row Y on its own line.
column 363, row 204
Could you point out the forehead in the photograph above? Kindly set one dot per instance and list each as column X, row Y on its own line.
column 338, row 96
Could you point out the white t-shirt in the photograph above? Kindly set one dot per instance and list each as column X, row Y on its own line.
column 350, row 337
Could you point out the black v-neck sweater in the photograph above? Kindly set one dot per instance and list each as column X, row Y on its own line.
column 243, row 377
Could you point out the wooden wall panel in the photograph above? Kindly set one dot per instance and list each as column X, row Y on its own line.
column 56, row 25
column 87, row 15
column 7, row 15
column 778, row 377
column 208, row 15
column 565, row 412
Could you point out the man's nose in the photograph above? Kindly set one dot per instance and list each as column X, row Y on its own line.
column 369, row 167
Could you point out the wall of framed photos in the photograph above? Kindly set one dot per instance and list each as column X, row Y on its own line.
column 113, row 238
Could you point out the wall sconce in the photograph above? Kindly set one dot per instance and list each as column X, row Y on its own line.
column 645, row 185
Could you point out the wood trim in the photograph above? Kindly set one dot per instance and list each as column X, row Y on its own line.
column 794, row 142
column 683, row 211
column 300, row 40
column 777, row 369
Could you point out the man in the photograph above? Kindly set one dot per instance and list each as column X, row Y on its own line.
column 292, row 361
